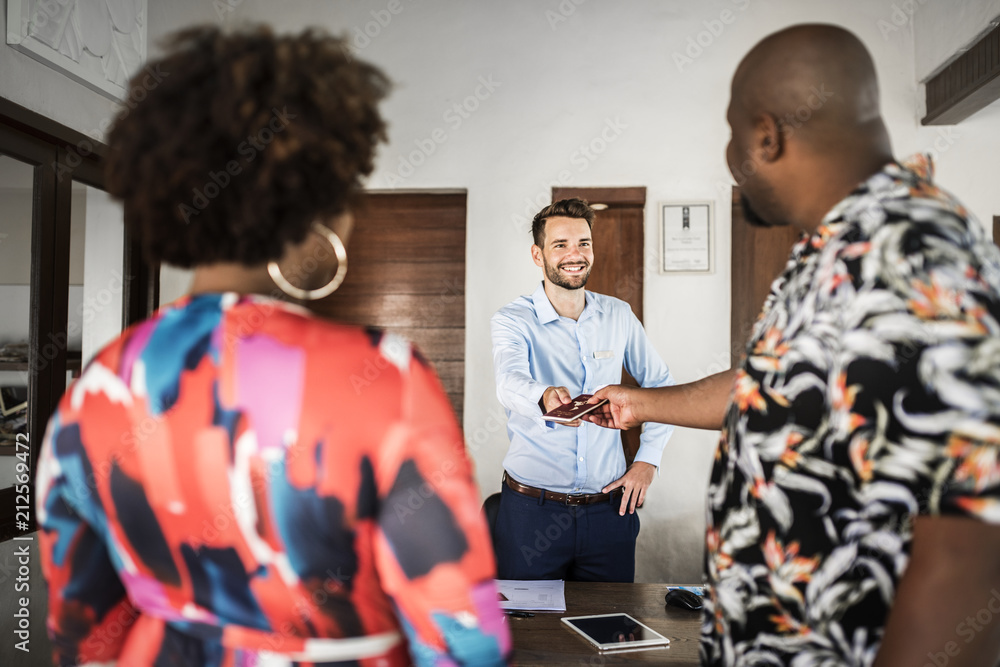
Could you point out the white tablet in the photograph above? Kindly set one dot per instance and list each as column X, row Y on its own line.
column 616, row 632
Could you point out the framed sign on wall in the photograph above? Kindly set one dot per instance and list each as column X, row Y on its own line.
column 686, row 244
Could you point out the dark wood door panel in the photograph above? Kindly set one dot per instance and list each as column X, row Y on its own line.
column 634, row 196
column 759, row 256
column 420, row 208
column 392, row 311
column 452, row 375
column 457, row 403
column 440, row 344
column 421, row 219
column 618, row 249
column 424, row 245
column 406, row 274
column 445, row 279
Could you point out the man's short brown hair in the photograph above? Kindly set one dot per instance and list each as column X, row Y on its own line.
column 564, row 208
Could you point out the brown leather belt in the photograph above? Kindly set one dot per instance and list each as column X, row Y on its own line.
column 571, row 499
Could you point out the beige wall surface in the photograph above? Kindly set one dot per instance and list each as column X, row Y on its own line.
column 941, row 28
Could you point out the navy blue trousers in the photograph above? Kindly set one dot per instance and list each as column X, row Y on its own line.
column 537, row 539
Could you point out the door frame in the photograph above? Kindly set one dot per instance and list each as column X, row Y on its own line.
column 59, row 156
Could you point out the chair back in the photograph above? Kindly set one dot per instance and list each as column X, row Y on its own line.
column 491, row 507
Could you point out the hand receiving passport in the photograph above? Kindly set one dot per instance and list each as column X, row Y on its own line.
column 619, row 411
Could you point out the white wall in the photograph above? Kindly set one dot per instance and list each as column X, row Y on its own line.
column 970, row 164
column 556, row 85
column 101, row 310
column 942, row 27
column 46, row 91
column 15, row 258
column 15, row 231
column 50, row 93
column 967, row 154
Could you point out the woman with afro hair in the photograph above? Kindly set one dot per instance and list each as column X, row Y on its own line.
column 213, row 489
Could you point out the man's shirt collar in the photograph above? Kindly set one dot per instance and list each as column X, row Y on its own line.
column 546, row 312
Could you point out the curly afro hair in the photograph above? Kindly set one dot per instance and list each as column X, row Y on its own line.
column 241, row 141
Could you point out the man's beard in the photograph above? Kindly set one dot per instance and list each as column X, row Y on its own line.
column 556, row 278
column 750, row 215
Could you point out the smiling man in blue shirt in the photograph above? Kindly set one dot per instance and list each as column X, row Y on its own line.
column 567, row 508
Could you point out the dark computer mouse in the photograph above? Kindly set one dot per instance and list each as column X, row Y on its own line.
column 679, row 597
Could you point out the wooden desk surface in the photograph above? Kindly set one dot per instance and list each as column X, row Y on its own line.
column 545, row 640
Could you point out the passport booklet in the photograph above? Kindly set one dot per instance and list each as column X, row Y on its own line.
column 569, row 412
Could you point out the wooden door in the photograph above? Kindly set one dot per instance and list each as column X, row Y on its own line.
column 618, row 235
column 406, row 274
column 759, row 256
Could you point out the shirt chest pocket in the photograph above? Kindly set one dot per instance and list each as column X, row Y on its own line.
column 605, row 366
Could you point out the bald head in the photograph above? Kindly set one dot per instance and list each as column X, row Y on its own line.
column 805, row 122
column 817, row 80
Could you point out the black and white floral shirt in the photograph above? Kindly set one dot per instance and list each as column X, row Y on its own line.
column 869, row 395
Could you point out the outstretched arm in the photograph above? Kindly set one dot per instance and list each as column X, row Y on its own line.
column 700, row 404
column 516, row 389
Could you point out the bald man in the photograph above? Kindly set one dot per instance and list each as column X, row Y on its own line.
column 854, row 505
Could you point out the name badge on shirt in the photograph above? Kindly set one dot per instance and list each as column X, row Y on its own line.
column 604, row 354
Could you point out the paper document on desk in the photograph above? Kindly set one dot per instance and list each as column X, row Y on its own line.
column 546, row 595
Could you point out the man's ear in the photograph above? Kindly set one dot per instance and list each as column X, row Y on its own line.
column 769, row 141
column 536, row 254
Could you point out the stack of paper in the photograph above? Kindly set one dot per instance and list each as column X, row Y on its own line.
column 547, row 595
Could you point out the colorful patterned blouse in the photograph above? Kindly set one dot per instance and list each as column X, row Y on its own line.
column 869, row 395
column 234, row 482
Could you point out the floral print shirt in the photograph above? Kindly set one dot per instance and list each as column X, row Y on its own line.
column 869, row 395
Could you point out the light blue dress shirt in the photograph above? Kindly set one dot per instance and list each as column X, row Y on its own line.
column 533, row 349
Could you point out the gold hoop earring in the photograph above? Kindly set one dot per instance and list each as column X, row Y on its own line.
column 326, row 290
